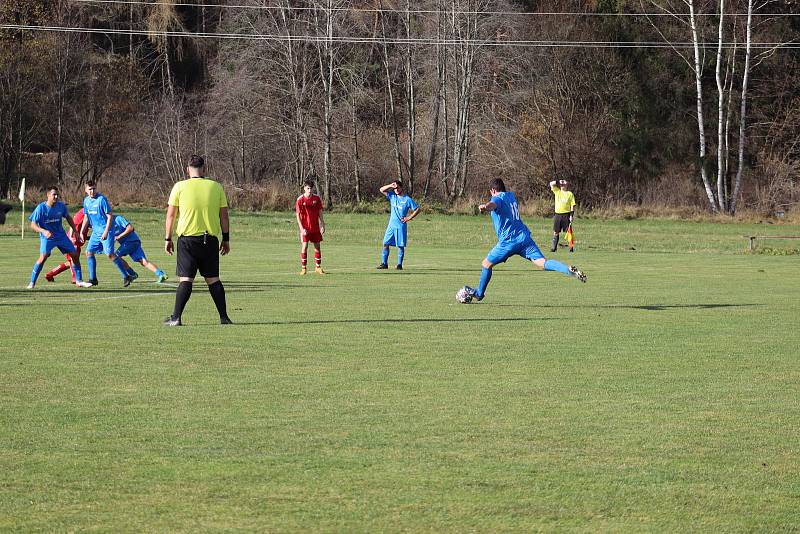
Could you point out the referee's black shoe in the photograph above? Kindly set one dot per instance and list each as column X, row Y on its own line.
column 170, row 321
column 225, row 320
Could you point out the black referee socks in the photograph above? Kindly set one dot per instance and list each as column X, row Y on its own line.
column 181, row 298
column 217, row 291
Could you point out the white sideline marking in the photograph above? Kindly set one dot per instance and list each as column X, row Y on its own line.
column 91, row 299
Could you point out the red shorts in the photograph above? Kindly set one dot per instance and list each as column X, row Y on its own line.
column 313, row 237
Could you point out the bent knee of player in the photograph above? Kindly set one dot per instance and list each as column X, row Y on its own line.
column 487, row 264
column 539, row 262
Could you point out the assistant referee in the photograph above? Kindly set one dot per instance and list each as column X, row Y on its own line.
column 202, row 210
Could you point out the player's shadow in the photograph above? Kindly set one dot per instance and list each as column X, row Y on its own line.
column 397, row 321
column 646, row 307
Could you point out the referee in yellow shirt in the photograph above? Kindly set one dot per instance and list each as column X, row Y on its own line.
column 203, row 234
column 565, row 210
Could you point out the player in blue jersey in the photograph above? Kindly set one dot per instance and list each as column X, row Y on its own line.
column 131, row 245
column 98, row 213
column 513, row 238
column 46, row 220
column 403, row 209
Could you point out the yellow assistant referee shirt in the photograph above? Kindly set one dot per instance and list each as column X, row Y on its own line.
column 198, row 201
column 565, row 200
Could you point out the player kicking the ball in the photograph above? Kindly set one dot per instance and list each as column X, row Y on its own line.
column 308, row 209
column 513, row 238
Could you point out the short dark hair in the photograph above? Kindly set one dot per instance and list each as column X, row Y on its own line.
column 399, row 183
column 91, row 183
column 497, row 184
column 196, row 161
column 51, row 187
column 309, row 183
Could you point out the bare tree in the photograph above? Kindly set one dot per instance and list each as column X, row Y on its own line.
column 723, row 195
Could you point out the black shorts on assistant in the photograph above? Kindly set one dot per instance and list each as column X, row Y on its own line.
column 561, row 222
column 198, row 253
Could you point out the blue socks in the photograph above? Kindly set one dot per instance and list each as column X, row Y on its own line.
column 121, row 267
column 37, row 269
column 78, row 272
column 401, row 252
column 91, row 262
column 486, row 275
column 553, row 265
column 159, row 272
column 385, row 257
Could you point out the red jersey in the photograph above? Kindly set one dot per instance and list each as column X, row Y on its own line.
column 309, row 209
column 78, row 220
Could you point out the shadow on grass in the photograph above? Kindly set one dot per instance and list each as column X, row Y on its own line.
column 646, row 307
column 395, row 321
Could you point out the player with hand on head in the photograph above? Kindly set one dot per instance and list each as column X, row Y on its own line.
column 564, row 210
column 131, row 245
column 46, row 220
column 98, row 212
column 308, row 209
column 78, row 242
column 403, row 210
column 513, row 238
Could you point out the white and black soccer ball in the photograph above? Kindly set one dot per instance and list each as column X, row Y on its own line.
column 463, row 296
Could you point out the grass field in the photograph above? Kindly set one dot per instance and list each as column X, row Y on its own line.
column 663, row 395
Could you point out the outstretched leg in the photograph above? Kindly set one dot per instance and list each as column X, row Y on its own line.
column 553, row 265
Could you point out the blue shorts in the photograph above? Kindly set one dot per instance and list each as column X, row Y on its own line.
column 95, row 245
column 526, row 248
column 396, row 236
column 132, row 249
column 61, row 241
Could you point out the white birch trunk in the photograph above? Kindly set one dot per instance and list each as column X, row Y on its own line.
column 698, row 73
column 720, row 112
column 737, row 183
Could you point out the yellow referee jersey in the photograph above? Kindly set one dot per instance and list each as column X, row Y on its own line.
column 198, row 201
column 565, row 200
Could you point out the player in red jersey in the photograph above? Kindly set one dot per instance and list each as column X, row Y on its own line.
column 75, row 241
column 308, row 209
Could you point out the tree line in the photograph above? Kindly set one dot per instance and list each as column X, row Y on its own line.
column 652, row 102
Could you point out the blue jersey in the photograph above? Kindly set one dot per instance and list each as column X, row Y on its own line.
column 120, row 223
column 97, row 209
column 400, row 206
column 50, row 218
column 505, row 216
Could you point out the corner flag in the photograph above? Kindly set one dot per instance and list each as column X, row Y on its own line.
column 22, row 190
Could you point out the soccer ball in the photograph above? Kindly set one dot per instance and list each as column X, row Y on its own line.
column 463, row 296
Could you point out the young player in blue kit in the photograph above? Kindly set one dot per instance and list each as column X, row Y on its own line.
column 46, row 220
column 396, row 234
column 131, row 245
column 98, row 213
column 513, row 238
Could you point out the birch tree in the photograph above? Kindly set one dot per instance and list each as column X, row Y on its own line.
column 723, row 191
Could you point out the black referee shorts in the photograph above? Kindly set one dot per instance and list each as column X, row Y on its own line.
column 198, row 253
column 561, row 222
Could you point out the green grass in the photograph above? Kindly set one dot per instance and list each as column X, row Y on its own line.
column 661, row 396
